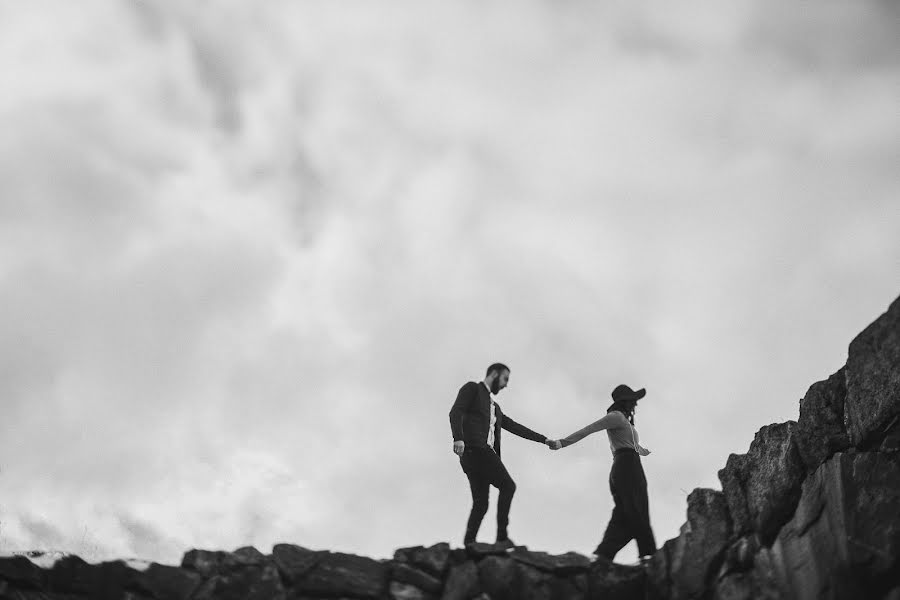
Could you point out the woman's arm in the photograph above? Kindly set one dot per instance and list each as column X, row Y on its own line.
column 609, row 421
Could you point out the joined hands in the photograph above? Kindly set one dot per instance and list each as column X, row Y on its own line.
column 554, row 444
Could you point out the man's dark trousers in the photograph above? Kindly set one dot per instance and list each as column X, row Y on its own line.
column 631, row 515
column 484, row 468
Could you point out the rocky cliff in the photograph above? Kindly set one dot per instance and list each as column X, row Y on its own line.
column 810, row 511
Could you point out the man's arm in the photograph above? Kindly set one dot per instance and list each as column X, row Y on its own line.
column 521, row 431
column 609, row 421
column 464, row 398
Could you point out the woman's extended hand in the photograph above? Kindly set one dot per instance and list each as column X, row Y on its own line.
column 554, row 444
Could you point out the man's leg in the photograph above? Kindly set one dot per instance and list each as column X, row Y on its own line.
column 479, row 485
column 501, row 478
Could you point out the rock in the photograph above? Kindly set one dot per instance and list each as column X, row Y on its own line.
column 563, row 564
column 433, row 560
column 212, row 562
column 696, row 554
column 243, row 583
column 336, row 574
column 739, row 555
column 820, row 428
column 503, row 578
column 498, row 576
column 659, row 583
column 169, row 583
column 35, row 595
column 844, row 540
column 612, row 581
column 405, row 573
column 894, row 594
column 480, row 550
column 462, row 582
column 104, row 581
column 294, row 561
column 764, row 485
column 734, row 482
column 21, row 572
column 407, row 591
column 873, row 379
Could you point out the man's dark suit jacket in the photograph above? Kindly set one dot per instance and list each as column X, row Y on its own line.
column 470, row 419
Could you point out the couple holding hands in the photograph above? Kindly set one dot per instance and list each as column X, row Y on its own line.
column 476, row 421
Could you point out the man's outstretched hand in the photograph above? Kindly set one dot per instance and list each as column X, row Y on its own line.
column 554, row 444
column 459, row 447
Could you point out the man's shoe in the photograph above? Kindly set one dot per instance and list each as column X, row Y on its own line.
column 505, row 543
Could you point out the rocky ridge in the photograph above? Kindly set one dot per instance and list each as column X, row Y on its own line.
column 810, row 511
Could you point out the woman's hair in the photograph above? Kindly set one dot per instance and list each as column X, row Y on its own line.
column 629, row 414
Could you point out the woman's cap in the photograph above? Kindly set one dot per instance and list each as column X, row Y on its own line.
column 623, row 392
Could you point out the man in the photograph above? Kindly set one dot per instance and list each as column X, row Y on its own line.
column 476, row 421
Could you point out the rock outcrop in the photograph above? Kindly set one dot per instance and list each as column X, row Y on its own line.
column 813, row 507
column 295, row 573
column 810, row 511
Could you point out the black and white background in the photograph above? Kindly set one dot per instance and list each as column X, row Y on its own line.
column 250, row 251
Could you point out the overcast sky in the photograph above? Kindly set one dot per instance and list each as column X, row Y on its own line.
column 249, row 252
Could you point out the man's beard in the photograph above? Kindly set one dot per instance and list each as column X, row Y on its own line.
column 495, row 387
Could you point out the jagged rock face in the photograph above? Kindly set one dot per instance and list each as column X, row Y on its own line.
column 685, row 564
column 836, row 539
column 762, row 487
column 873, row 379
column 843, row 541
column 820, row 428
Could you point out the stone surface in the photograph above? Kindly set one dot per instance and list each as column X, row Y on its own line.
column 561, row 564
column 503, row 578
column 763, row 486
column 108, row 580
column 212, row 562
column 462, row 582
column 21, row 572
column 406, row 573
column 498, row 576
column 407, row 591
column 820, row 428
column 434, row 559
column 844, row 540
column 294, row 561
column 243, row 583
column 479, row 550
column 733, row 478
column 169, row 583
column 696, row 554
column 336, row 573
column 873, row 379
column 611, row 581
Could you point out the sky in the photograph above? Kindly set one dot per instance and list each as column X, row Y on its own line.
column 249, row 252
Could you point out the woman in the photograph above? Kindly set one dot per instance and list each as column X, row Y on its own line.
column 631, row 516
